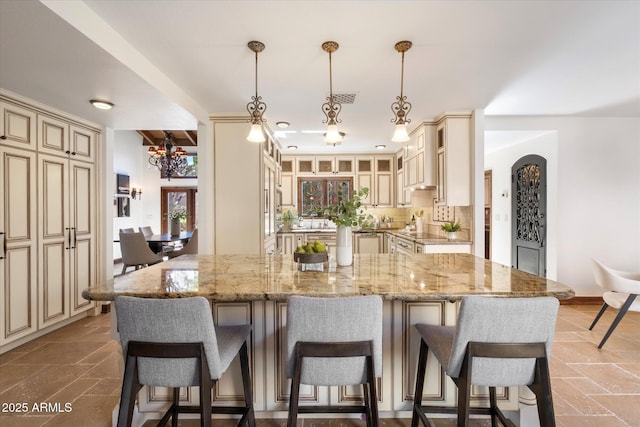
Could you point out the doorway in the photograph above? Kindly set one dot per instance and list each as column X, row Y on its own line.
column 528, row 214
column 174, row 198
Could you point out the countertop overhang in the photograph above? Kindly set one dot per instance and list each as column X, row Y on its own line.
column 418, row 277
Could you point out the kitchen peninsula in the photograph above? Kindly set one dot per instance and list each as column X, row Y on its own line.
column 254, row 289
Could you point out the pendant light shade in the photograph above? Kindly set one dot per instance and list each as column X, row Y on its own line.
column 401, row 107
column 331, row 108
column 256, row 107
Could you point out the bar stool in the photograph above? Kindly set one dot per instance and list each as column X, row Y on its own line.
column 334, row 342
column 497, row 342
column 174, row 343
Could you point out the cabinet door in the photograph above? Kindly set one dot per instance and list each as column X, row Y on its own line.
column 53, row 136
column 384, row 190
column 55, row 240
column 82, row 217
column 18, row 244
column 17, row 126
column 325, row 166
column 82, row 143
column 305, row 165
column 288, row 191
column 369, row 244
column 344, row 166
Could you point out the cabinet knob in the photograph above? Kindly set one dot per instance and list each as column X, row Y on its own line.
column 3, row 137
column 73, row 153
column 67, row 152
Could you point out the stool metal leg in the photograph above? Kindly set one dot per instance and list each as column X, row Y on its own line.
column 417, row 396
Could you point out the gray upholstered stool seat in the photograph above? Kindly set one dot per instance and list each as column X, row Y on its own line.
column 174, row 343
column 334, row 341
column 497, row 342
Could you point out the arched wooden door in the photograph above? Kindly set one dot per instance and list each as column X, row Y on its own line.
column 528, row 215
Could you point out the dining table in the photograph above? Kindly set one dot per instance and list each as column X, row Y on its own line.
column 157, row 241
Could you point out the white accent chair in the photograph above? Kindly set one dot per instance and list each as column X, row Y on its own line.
column 497, row 342
column 622, row 289
column 135, row 252
column 334, row 341
column 174, row 343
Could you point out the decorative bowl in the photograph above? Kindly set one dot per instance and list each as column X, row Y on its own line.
column 310, row 258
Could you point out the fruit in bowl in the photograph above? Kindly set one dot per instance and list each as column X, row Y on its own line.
column 311, row 253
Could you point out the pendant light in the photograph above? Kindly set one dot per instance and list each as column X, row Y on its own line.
column 331, row 108
column 401, row 107
column 256, row 107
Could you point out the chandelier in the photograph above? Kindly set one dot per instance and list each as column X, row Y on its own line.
column 170, row 159
column 256, row 107
column 401, row 107
column 331, row 108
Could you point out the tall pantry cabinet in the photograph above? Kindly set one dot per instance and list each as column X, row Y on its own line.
column 48, row 220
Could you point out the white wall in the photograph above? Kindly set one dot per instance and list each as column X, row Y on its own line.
column 130, row 158
column 598, row 193
column 500, row 163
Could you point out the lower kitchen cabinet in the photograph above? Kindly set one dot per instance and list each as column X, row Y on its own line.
column 457, row 248
column 368, row 243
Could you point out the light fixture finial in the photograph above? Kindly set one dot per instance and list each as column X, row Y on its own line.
column 401, row 107
column 256, row 107
column 170, row 159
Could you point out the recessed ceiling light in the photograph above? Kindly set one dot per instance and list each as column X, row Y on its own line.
column 380, row 147
column 102, row 105
column 292, row 147
column 282, row 125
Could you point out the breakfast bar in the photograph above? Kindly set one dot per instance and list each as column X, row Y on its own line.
column 419, row 288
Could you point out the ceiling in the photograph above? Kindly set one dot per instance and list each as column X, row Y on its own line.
column 169, row 64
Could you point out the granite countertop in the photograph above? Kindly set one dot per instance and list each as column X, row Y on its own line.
column 418, row 277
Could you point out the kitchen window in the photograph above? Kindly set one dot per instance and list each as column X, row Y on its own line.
column 314, row 193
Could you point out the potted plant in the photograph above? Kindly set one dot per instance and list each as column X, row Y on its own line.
column 451, row 228
column 347, row 212
column 288, row 218
column 176, row 218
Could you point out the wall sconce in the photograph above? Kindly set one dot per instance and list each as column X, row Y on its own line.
column 136, row 192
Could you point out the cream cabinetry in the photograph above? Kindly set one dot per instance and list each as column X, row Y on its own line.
column 403, row 194
column 288, row 185
column 49, row 220
column 419, row 163
column 325, row 165
column 376, row 173
column 368, row 243
column 17, row 126
column 19, row 245
column 66, row 236
column 453, row 160
column 443, row 249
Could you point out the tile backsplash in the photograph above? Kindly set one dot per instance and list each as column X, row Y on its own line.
column 432, row 219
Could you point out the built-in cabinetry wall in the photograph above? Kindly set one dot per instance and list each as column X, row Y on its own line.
column 49, row 220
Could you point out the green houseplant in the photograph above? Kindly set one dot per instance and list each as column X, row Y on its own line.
column 288, row 218
column 347, row 212
column 451, row 228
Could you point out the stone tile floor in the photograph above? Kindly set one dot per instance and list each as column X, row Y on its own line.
column 80, row 365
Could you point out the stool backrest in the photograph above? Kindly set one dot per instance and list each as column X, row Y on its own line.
column 502, row 320
column 135, row 250
column 334, row 320
column 180, row 320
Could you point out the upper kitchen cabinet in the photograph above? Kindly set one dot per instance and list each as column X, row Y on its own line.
column 419, row 158
column 377, row 174
column 287, row 184
column 17, row 126
column 403, row 194
column 325, row 165
column 453, row 164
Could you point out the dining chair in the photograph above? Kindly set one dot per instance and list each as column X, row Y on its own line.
column 334, row 341
column 174, row 343
column 622, row 288
column 135, row 252
column 191, row 247
column 146, row 230
column 497, row 342
column 127, row 230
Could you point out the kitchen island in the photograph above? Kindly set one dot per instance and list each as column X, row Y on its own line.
column 420, row 288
